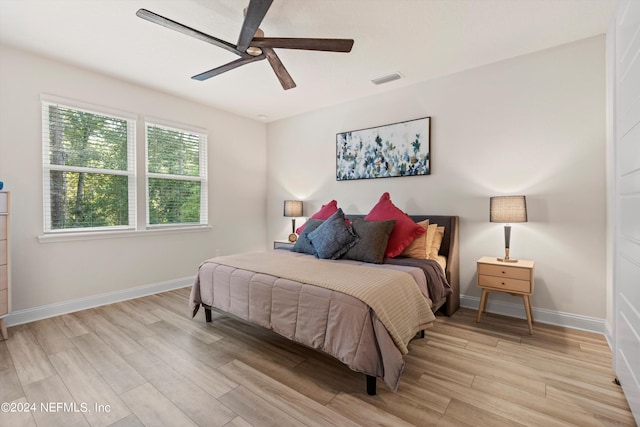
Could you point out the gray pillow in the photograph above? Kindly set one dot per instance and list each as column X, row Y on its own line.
column 374, row 236
column 333, row 237
column 303, row 244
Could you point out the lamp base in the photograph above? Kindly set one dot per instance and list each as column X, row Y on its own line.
column 506, row 253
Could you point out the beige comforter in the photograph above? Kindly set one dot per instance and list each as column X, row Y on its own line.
column 318, row 303
column 393, row 295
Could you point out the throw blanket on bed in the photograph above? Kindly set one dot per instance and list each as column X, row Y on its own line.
column 437, row 283
column 393, row 295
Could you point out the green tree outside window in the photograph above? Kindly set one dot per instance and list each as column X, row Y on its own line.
column 176, row 182
column 88, row 169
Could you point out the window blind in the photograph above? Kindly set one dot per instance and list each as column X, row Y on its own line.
column 88, row 168
column 176, row 176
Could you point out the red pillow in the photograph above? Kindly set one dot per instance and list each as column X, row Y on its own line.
column 324, row 213
column 405, row 230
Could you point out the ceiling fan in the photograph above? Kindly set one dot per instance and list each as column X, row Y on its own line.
column 252, row 45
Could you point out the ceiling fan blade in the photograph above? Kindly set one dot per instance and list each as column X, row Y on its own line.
column 176, row 26
column 226, row 67
column 283, row 75
column 329, row 45
column 256, row 11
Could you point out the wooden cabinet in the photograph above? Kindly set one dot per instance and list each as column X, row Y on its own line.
column 515, row 278
column 5, row 285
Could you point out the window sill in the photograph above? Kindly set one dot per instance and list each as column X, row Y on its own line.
column 97, row 235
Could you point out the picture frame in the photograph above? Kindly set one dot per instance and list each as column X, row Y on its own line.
column 393, row 150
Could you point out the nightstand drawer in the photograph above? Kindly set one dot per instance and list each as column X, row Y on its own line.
column 505, row 271
column 4, row 303
column 504, row 283
column 3, row 252
column 3, row 227
column 4, row 278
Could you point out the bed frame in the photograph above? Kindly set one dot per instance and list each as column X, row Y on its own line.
column 448, row 248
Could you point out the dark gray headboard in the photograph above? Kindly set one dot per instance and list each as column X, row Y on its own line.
column 450, row 249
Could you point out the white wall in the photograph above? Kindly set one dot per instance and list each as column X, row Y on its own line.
column 532, row 125
column 48, row 273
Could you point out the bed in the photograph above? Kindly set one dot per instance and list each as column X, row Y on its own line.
column 360, row 313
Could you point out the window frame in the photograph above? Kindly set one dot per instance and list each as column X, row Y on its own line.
column 46, row 101
column 202, row 135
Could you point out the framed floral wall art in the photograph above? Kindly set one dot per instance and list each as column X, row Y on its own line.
column 399, row 149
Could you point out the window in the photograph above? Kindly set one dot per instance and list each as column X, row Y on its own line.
column 89, row 171
column 88, row 168
column 176, row 176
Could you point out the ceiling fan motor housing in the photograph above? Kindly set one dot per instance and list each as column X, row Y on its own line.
column 256, row 51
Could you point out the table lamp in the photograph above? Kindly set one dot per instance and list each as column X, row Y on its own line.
column 293, row 209
column 508, row 209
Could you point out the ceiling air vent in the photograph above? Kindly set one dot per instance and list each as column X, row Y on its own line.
column 386, row 79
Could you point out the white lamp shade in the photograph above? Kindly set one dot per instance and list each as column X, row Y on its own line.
column 508, row 209
column 293, row 208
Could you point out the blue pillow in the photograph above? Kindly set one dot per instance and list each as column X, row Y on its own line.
column 333, row 238
column 303, row 244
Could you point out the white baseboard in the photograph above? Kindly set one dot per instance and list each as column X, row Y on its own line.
column 608, row 334
column 51, row 310
column 542, row 315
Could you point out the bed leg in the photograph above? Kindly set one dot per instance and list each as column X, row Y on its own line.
column 207, row 314
column 371, row 385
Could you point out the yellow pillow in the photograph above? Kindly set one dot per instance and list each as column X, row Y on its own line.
column 436, row 242
column 431, row 232
column 418, row 248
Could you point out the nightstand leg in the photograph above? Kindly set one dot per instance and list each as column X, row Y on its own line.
column 527, row 309
column 3, row 330
column 483, row 304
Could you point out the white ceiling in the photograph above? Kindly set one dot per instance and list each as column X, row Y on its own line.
column 421, row 39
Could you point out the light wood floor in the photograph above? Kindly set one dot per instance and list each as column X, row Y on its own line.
column 145, row 362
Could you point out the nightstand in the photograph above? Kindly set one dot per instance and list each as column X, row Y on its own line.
column 282, row 244
column 515, row 278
